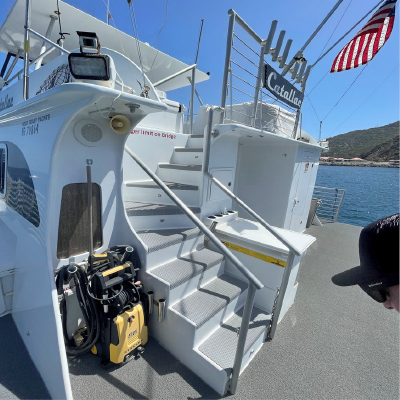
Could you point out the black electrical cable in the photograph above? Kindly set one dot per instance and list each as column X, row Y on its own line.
column 87, row 306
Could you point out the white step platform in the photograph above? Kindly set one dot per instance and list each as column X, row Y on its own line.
column 149, row 192
column 181, row 173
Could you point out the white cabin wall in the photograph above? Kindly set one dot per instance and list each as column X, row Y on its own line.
column 222, row 165
column 152, row 148
column 170, row 121
column 302, row 188
column 264, row 178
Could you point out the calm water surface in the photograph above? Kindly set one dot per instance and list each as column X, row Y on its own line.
column 371, row 193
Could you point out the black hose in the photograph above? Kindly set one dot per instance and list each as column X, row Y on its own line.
column 87, row 306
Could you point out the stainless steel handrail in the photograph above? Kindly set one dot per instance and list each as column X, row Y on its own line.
column 238, row 264
column 229, row 193
column 293, row 251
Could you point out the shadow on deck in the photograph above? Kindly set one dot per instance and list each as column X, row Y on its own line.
column 334, row 343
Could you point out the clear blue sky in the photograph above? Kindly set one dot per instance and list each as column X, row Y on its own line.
column 299, row 19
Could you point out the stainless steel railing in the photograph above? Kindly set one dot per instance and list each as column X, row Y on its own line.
column 254, row 283
column 293, row 251
column 331, row 202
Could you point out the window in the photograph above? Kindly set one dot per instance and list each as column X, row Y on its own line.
column 3, row 169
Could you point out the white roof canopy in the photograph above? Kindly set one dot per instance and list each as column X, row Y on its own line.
column 12, row 39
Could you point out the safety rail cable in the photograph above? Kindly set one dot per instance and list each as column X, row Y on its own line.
column 331, row 202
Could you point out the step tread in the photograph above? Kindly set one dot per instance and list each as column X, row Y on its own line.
column 220, row 347
column 186, row 167
column 188, row 149
column 184, row 268
column 152, row 185
column 196, row 136
column 158, row 239
column 134, row 209
column 203, row 304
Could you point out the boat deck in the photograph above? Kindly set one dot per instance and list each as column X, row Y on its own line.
column 334, row 343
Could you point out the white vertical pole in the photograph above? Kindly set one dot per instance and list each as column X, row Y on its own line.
column 27, row 50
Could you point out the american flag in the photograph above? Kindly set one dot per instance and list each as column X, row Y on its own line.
column 368, row 41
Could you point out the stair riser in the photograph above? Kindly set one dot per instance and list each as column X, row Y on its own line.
column 149, row 222
column 157, row 196
column 218, row 319
column 254, row 349
column 195, row 142
column 170, row 253
column 204, row 331
column 212, row 373
column 178, row 343
column 194, row 283
column 162, row 290
column 180, row 176
column 190, row 157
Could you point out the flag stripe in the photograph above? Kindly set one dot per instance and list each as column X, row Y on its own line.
column 354, row 54
column 370, row 49
column 360, row 58
column 368, row 41
column 350, row 55
column 360, row 47
column 341, row 61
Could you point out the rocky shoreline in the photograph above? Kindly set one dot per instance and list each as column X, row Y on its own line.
column 359, row 164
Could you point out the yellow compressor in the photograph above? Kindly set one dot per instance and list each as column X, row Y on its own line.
column 112, row 303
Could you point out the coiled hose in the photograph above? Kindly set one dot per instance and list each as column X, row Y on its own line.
column 86, row 304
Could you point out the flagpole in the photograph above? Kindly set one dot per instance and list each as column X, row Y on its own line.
column 365, row 16
column 300, row 52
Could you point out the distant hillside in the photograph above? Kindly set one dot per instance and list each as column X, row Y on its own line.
column 374, row 144
column 386, row 151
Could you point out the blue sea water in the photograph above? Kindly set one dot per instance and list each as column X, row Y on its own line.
column 371, row 192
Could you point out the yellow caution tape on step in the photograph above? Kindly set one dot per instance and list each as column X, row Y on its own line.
column 255, row 254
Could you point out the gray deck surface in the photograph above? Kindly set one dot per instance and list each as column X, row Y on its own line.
column 334, row 343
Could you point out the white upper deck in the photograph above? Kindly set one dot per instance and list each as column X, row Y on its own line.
column 12, row 39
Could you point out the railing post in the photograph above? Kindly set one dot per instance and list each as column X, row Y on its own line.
column 25, row 92
column 192, row 99
column 281, row 296
column 244, row 328
column 258, row 82
column 229, row 42
column 296, row 123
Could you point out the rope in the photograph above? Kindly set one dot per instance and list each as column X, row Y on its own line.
column 135, row 33
column 334, row 29
column 158, row 39
column 345, row 91
column 61, row 33
column 366, row 98
column 319, row 120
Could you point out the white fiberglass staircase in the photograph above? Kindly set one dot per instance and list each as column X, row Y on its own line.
column 204, row 304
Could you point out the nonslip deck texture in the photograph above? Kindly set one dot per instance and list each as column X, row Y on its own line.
column 186, row 267
column 334, row 343
column 220, row 347
column 186, row 167
column 171, row 185
column 202, row 305
column 134, row 209
column 161, row 239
